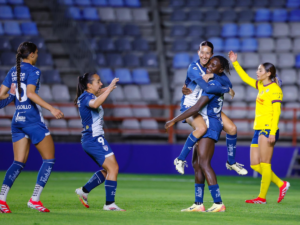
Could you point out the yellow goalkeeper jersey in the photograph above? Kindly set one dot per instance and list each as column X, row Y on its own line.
column 266, row 112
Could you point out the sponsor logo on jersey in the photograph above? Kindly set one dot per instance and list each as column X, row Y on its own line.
column 195, row 68
column 14, row 76
column 20, row 118
column 260, row 101
column 23, row 107
column 37, row 72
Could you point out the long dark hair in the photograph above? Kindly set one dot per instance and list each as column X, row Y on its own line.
column 224, row 63
column 82, row 82
column 24, row 50
column 269, row 67
column 207, row 43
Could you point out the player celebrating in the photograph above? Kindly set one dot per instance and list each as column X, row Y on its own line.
column 28, row 124
column 266, row 132
column 89, row 100
column 192, row 93
column 210, row 107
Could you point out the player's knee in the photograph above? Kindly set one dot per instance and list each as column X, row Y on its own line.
column 232, row 130
column 104, row 173
column 199, row 131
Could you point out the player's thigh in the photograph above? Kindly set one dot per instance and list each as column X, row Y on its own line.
column 110, row 164
column 228, row 126
column 206, row 150
column 254, row 156
column 21, row 150
column 198, row 123
column 46, row 148
column 265, row 149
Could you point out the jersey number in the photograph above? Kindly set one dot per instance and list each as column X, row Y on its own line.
column 101, row 140
column 24, row 88
column 217, row 110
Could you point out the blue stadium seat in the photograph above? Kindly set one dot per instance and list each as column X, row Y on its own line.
column 277, row 3
column 106, row 45
column 279, row 15
column 246, row 30
column 98, row 29
column 232, row 44
column 264, row 30
column 15, row 42
column 82, row 2
column 44, row 59
column 249, row 45
column 93, row 44
column 40, row 43
column 15, row 2
column 150, row 60
column 106, row 75
column 5, row 44
column 260, row 3
column 114, row 60
column 212, row 16
column 194, row 15
column 193, row 3
column 90, row 13
column 124, row 76
column 51, row 77
column 115, row 29
column 181, row 60
column 213, row 30
column 12, row 28
column 263, row 15
column 229, row 30
column 8, row 58
column 195, row 31
column 132, row 30
column 228, row 15
column 245, row 15
column 116, row 3
column 6, row 12
column 66, row 2
column 99, row 2
column 1, row 29
column 74, row 13
column 292, row 3
column 178, row 30
column 123, row 45
column 140, row 76
column 133, row 3
column 297, row 64
column 194, row 44
column 131, row 60
column 218, row 43
column 22, row 12
column 84, row 28
column 227, row 3
column 101, row 60
column 210, row 3
column 2, row 76
column 178, row 15
column 294, row 15
column 243, row 3
column 195, row 57
column 29, row 28
column 180, row 45
column 140, row 45
column 4, row 2
column 177, row 3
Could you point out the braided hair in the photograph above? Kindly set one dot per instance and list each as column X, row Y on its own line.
column 224, row 63
column 83, row 80
column 24, row 50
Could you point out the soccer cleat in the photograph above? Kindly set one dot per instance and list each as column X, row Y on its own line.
column 217, row 208
column 257, row 200
column 237, row 167
column 282, row 190
column 4, row 207
column 112, row 207
column 37, row 205
column 179, row 165
column 82, row 197
column 194, row 208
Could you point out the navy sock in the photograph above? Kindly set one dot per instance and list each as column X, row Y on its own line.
column 199, row 193
column 215, row 193
column 12, row 173
column 45, row 172
column 188, row 146
column 110, row 190
column 231, row 147
column 95, row 181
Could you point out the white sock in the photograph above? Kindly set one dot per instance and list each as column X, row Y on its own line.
column 4, row 191
column 36, row 193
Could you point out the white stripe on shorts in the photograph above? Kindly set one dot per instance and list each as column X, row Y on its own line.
column 109, row 154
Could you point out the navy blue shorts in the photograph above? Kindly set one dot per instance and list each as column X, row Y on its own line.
column 97, row 148
column 266, row 133
column 36, row 133
column 213, row 134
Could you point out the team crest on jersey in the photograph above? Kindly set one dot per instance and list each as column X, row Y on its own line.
column 267, row 90
column 195, row 68
column 105, row 147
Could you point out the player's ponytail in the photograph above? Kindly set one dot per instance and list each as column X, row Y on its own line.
column 82, row 82
column 269, row 67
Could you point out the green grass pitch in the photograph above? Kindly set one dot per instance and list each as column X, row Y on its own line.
column 148, row 199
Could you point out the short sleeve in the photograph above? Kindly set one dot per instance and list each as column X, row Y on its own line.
column 193, row 72
column 34, row 77
column 87, row 100
column 212, row 82
column 276, row 95
column 8, row 80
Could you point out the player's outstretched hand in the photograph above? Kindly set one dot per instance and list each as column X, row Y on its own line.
column 185, row 90
column 169, row 124
column 232, row 93
column 232, row 56
column 13, row 89
column 112, row 85
column 208, row 76
column 271, row 139
column 57, row 113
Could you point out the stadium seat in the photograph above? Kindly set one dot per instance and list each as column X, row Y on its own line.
column 195, row 31
column 241, row 96
column 99, row 2
column 98, row 29
column 107, row 14
column 101, row 60
column 266, row 44
column 2, row 112
column 106, row 75
column 90, row 13
column 51, row 77
column 140, row 76
column 140, row 45
column 277, row 3
column 132, row 30
column 178, row 30
column 286, row 60
column 217, row 42
column 12, row 28
column 251, row 112
column 296, row 45
column 249, row 45
column 194, row 45
column 260, row 3
column 246, row 30
column 69, row 111
column 115, row 29
column 131, row 124
column 132, row 93
column 15, row 2
column 229, row 30
column 8, row 58
column 124, row 76
column 292, row 3
column 295, row 29
column 74, row 13
column 180, row 45
column 22, row 12
column 140, row 15
column 39, row 42
column 232, row 44
column 243, row 126
column 290, row 93
column 283, row 45
column 212, row 16
column 59, row 124
column 10, row 110
column 116, row 3
column 213, row 30
column 193, row 3
column 227, row 4
column 123, row 14
column 250, row 60
column 181, row 60
column 123, row 44
column 178, row 15
column 143, row 112
column 251, row 94
column 84, row 28
column 184, row 127
column 263, row 15
column 45, row 59
column 289, row 114
column 297, row 64
column 106, row 45
column 243, row 3
column 117, row 95
column 60, row 93
column 133, row 3
column 149, row 60
column 5, row 44
column 6, row 12
column 228, row 15
column 82, row 2
column 150, row 94
column 131, row 60
column 264, row 30
column 194, row 15
column 179, row 77
column 45, row 93
column 149, row 124
column 288, row 76
column 29, row 28
column 239, row 113
column 279, row 15
column 294, row 15
column 2, row 76
column 1, row 29
column 93, row 44
column 114, row 60
column 177, row 94
column 234, row 77
column 210, row 3
column 66, row 2
column 177, row 3
column 281, row 30
column 269, row 57
column 245, row 15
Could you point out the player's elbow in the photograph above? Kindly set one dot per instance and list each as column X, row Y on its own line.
column 30, row 94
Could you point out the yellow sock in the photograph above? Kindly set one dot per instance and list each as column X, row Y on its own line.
column 276, row 180
column 266, row 173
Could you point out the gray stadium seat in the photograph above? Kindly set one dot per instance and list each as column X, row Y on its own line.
column 58, row 124
column 251, row 60
column 290, row 93
column 268, row 57
column 122, row 111
column 149, row 93
column 131, row 124
column 243, row 126
column 60, row 93
column 251, row 112
column 239, row 93
column 75, row 123
column 123, row 14
column 179, row 77
column 5, row 123
column 286, row 60
column 282, row 127
column 141, row 112
column 140, row 15
column 132, row 93
column 281, row 30
column 290, row 127
column 238, row 113
column 149, row 124
column 266, row 44
column 107, row 14
column 251, row 94
column 283, row 45
column 2, row 112
column 177, row 94
column 46, row 122
column 240, row 58
column 69, row 111
column 235, row 78
column 289, row 114
column 295, row 29
column 288, row 76
column 184, row 126
column 296, row 45
column 45, row 93
column 117, row 94
column 252, row 73
column 225, row 108
column 298, row 79
column 10, row 110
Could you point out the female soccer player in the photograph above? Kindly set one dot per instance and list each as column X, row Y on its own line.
column 191, row 94
column 28, row 124
column 266, row 132
column 89, row 101
column 209, row 106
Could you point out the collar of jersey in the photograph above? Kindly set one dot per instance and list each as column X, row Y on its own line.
column 269, row 84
